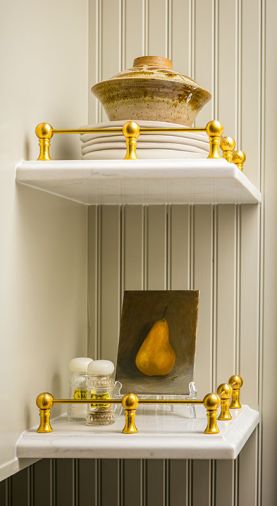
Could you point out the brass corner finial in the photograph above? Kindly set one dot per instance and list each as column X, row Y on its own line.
column 130, row 403
column 228, row 145
column 44, row 132
column 131, row 132
column 45, row 402
column 239, row 158
column 236, row 383
column 225, row 393
column 211, row 403
column 214, row 130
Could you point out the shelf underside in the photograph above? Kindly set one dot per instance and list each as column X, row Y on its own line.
column 195, row 181
column 168, row 435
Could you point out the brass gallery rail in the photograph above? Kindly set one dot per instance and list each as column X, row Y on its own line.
column 131, row 131
column 227, row 396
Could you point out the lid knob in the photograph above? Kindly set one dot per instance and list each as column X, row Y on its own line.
column 153, row 61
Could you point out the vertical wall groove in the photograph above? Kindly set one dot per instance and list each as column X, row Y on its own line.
column 98, row 329
column 214, row 297
column 145, row 27
column 214, row 239
column 238, row 296
column 192, row 38
column 99, row 53
column 98, row 272
column 262, row 243
column 169, row 28
column 238, row 69
column 237, row 329
column 215, row 7
column 123, row 35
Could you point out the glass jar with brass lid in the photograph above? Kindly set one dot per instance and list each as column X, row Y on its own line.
column 78, row 387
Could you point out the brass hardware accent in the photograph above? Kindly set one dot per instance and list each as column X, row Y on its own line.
column 131, row 401
column 44, row 402
column 131, row 131
column 239, row 158
column 211, row 403
column 153, row 130
column 44, row 132
column 214, row 130
column 228, row 145
column 236, row 383
column 130, row 404
column 225, row 393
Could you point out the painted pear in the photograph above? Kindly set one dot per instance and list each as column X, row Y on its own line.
column 156, row 357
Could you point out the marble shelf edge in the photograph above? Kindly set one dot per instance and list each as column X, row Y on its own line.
column 190, row 181
column 88, row 442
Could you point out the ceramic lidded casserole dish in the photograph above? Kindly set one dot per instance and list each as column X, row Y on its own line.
column 151, row 90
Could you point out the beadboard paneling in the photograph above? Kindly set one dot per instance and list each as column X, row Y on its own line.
column 216, row 249
column 42, row 478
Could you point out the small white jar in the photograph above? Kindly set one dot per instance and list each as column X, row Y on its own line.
column 78, row 387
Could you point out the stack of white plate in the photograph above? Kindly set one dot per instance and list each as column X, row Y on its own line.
column 112, row 146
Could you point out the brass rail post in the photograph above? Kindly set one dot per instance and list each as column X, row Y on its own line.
column 228, row 145
column 44, row 132
column 239, row 158
column 236, row 383
column 130, row 403
column 211, row 403
column 214, row 130
column 45, row 402
column 131, row 131
column 225, row 393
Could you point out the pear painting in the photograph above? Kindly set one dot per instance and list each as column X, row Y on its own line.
column 157, row 343
column 156, row 356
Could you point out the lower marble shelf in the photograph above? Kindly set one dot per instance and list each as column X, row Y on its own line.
column 161, row 436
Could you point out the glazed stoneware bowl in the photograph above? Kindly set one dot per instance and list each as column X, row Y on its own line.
column 151, row 90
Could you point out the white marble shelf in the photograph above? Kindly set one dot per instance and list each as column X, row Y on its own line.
column 195, row 181
column 167, row 436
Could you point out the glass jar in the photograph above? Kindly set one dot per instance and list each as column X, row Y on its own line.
column 101, row 385
column 78, row 388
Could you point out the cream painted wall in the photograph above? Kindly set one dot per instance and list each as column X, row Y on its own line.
column 228, row 252
column 43, row 54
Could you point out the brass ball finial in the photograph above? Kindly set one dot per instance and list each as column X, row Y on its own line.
column 44, row 400
column 44, row 131
column 239, row 158
column 211, row 402
column 130, row 401
column 131, row 130
column 236, row 382
column 214, row 128
column 225, row 391
column 228, row 144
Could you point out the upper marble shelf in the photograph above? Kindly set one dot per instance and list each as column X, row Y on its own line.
column 190, row 181
column 169, row 435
